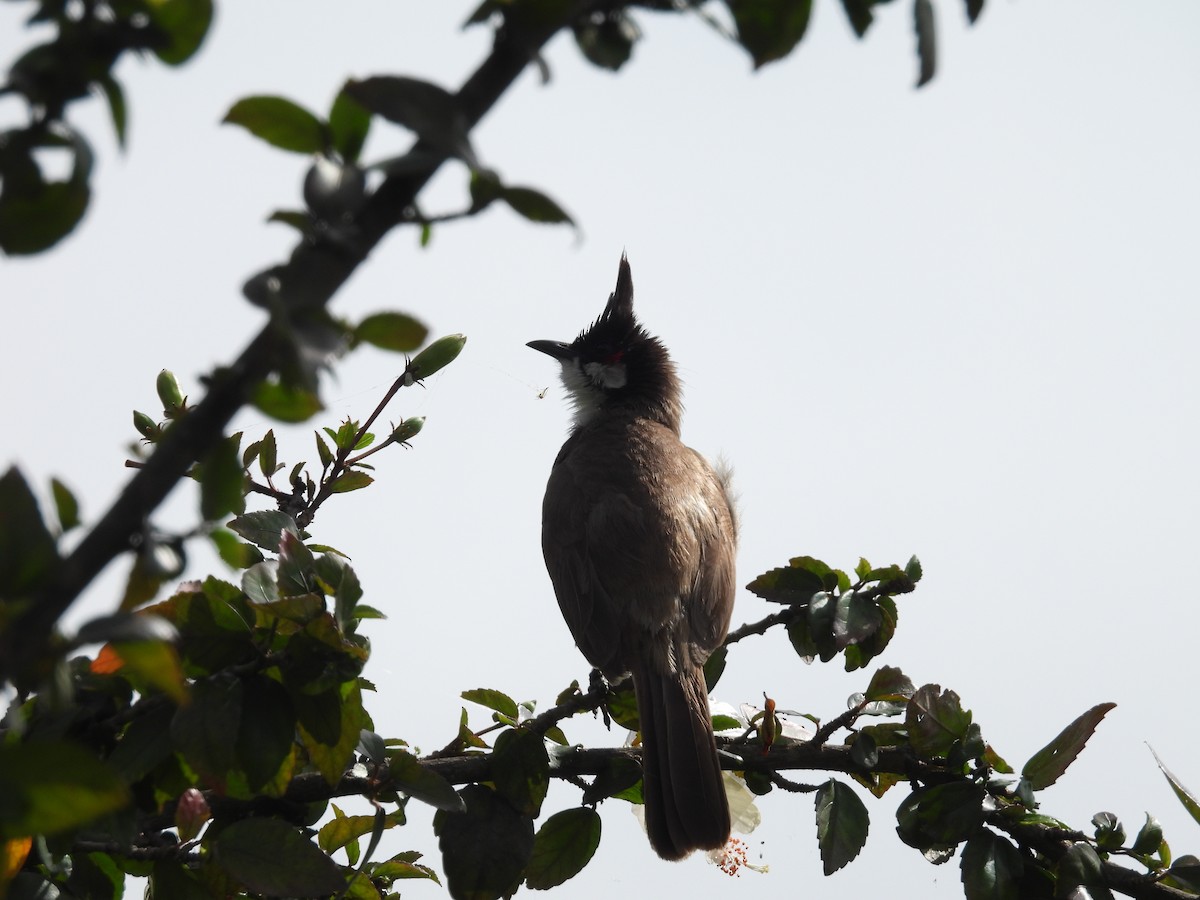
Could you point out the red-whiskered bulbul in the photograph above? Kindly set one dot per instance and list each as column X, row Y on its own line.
column 639, row 536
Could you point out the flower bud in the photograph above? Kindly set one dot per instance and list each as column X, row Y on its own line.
column 436, row 356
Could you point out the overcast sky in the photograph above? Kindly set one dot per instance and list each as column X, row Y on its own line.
column 958, row 322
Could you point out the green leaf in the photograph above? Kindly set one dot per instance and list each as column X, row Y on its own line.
column 564, row 844
column 65, row 505
column 913, row 569
column 793, row 585
column 1186, row 797
column 769, row 29
column 486, row 848
column 116, row 106
column 1149, row 837
column 271, row 857
column 286, row 403
column 619, row 774
column 349, row 124
column 332, row 755
column 1080, row 867
column 185, row 23
column 936, row 719
column 281, row 123
column 298, row 219
column 991, row 868
column 926, row 30
column 497, row 700
column 412, row 778
column 351, row 481
column 535, row 206
column 343, row 829
column 1185, row 873
column 842, row 824
column 941, row 816
column 856, row 618
column 34, row 213
column 205, row 731
column 606, row 41
column 222, row 481
column 974, row 8
column 267, row 731
column 154, row 664
column 144, row 745
column 264, row 527
column 27, row 550
column 1047, row 765
column 52, row 786
column 392, row 331
column 889, row 684
column 521, row 770
column 430, row 111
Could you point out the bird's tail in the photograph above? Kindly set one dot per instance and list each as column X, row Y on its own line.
column 686, row 807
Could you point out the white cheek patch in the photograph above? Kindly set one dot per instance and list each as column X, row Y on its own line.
column 610, row 377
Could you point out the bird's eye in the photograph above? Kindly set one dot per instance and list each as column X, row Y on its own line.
column 613, row 357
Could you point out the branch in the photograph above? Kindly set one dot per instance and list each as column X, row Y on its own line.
column 313, row 274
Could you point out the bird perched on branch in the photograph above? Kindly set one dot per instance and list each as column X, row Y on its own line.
column 639, row 536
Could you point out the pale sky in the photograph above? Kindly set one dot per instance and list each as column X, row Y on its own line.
column 958, row 322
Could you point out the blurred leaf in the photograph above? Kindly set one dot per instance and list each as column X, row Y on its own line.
column 271, row 857
column 769, row 29
column 267, row 730
column 859, row 14
column 234, row 553
column 521, row 770
column 154, row 663
column 606, row 39
column 1048, row 764
column 486, row 848
column 285, row 403
column 52, row 786
column 974, row 8
column 144, row 745
column 280, row 122
column 535, row 206
column 842, row 824
column 185, row 23
column 35, row 214
column 299, row 219
column 427, row 109
column 222, row 481
column 65, row 505
column 116, row 106
column 392, row 331
column 991, row 867
column 205, row 731
column 497, row 700
column 27, row 550
column 1186, row 797
column 926, row 40
column 564, row 844
column 264, row 527
column 349, row 124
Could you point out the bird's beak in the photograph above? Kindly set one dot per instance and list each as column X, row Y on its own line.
column 557, row 349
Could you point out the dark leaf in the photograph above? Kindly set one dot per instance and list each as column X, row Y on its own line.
column 410, row 777
column 144, row 745
column 991, row 868
column 285, row 403
column 1149, row 838
column 392, row 331
column 484, row 850
column 65, row 505
column 185, row 23
column 936, row 720
column 521, row 770
column 280, row 122
column 889, row 684
column 222, row 481
column 205, row 731
column 331, row 752
column 301, row 220
column 27, row 550
column 974, row 8
column 563, row 845
column 859, row 14
column 842, row 824
column 926, row 40
column 427, row 109
column 793, row 585
column 714, row 666
column 1110, row 833
column 52, row 786
column 343, row 829
column 351, row 481
column 35, row 214
column 116, row 106
column 913, row 569
column 620, row 774
column 349, row 124
column 267, row 732
column 271, row 857
column 1080, row 867
column 1047, row 765
column 606, row 40
column 856, row 618
column 769, row 29
column 1185, row 873
column 941, row 816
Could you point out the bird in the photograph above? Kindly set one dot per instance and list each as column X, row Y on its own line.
column 639, row 535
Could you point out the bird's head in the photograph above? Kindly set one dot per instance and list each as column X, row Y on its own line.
column 616, row 365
